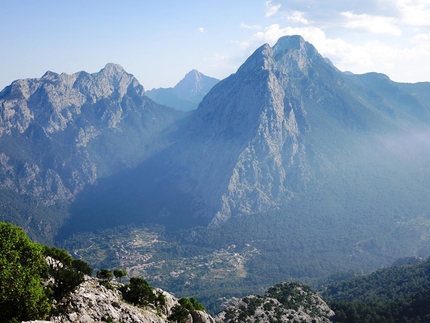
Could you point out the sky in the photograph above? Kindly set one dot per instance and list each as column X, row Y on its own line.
column 159, row 41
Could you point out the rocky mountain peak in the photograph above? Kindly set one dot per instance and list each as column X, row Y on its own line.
column 255, row 123
column 289, row 43
column 112, row 68
column 49, row 75
column 77, row 120
column 295, row 56
column 194, row 83
column 186, row 94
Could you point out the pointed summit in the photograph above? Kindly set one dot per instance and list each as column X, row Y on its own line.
column 259, row 124
column 111, row 69
column 187, row 94
column 194, row 84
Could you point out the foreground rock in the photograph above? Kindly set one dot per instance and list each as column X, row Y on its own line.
column 93, row 302
column 286, row 302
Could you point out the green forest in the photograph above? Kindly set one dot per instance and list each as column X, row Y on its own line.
column 394, row 294
column 399, row 293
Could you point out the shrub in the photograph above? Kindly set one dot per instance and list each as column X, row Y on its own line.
column 138, row 292
column 22, row 296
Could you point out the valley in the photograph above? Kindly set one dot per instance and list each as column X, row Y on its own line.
column 288, row 170
column 141, row 254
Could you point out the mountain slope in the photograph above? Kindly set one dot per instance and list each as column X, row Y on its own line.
column 399, row 293
column 187, row 94
column 315, row 170
column 62, row 132
column 284, row 119
column 288, row 125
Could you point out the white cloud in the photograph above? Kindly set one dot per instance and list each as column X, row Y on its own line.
column 385, row 36
column 402, row 64
column 372, row 24
column 273, row 32
column 201, row 30
column 271, row 9
column 414, row 12
column 242, row 25
column 298, row 17
column 406, row 62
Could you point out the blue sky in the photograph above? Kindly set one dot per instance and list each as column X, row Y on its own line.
column 159, row 41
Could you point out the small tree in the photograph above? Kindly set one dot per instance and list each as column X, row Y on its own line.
column 104, row 274
column 179, row 314
column 186, row 305
column 119, row 273
column 82, row 267
column 67, row 272
column 138, row 292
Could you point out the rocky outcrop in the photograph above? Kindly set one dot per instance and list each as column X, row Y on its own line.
column 286, row 302
column 93, row 302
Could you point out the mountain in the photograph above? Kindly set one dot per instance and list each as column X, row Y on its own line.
column 61, row 132
column 187, row 94
column 288, row 170
column 316, row 170
column 285, row 122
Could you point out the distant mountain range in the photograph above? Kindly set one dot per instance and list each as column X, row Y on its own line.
column 319, row 170
column 187, row 94
column 62, row 132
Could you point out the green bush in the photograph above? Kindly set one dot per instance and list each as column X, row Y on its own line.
column 179, row 314
column 82, row 266
column 22, row 296
column 67, row 273
column 138, row 292
column 104, row 274
column 119, row 273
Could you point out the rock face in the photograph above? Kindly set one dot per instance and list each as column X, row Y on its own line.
column 187, row 94
column 273, row 129
column 250, row 134
column 286, row 302
column 61, row 132
column 286, row 122
column 92, row 302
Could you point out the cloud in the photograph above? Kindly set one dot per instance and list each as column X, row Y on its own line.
column 372, row 24
column 271, row 9
column 273, row 32
column 298, row 17
column 242, row 25
column 379, row 16
column 404, row 61
column 201, row 30
column 414, row 12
